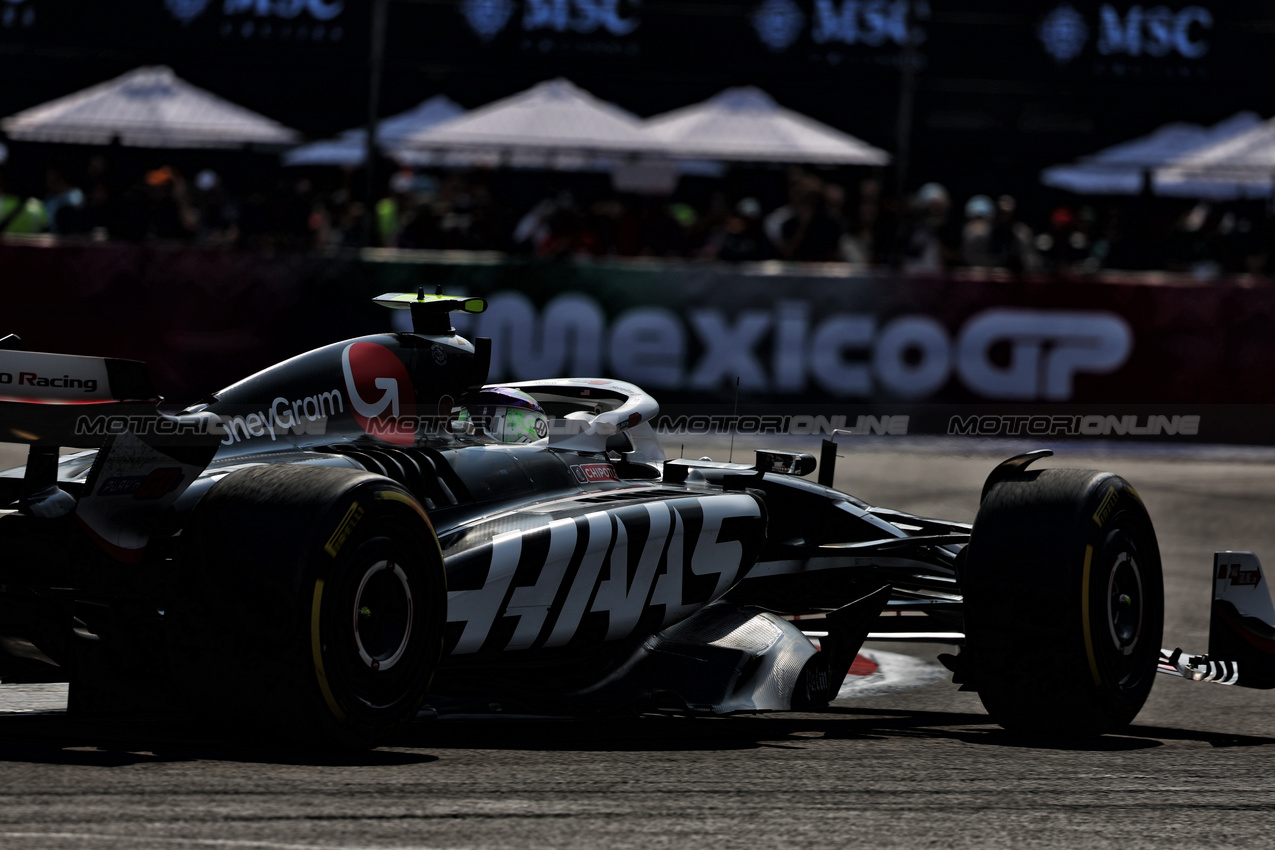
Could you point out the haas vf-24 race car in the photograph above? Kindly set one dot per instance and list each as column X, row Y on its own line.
column 360, row 532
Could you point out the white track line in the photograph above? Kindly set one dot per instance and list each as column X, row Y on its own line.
column 21, row 699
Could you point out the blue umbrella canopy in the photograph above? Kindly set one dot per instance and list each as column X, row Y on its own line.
column 550, row 123
column 746, row 124
column 147, row 107
column 1240, row 166
column 1122, row 169
column 350, row 148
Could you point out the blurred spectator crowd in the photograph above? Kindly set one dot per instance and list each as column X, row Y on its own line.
column 805, row 217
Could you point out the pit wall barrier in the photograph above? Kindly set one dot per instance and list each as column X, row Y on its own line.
column 763, row 335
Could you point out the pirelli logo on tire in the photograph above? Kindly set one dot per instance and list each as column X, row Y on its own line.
column 344, row 529
column 1107, row 505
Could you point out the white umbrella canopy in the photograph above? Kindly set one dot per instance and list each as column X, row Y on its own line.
column 746, row 124
column 147, row 107
column 350, row 148
column 553, row 124
column 1121, row 169
column 1241, row 166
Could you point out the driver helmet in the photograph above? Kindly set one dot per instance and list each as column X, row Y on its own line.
column 506, row 415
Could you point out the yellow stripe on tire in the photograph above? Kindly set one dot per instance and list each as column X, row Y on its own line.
column 316, row 650
column 1084, row 615
column 392, row 496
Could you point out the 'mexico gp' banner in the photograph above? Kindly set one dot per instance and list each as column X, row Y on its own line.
column 685, row 332
column 797, row 341
column 690, row 333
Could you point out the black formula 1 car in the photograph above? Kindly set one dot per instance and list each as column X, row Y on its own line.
column 326, row 545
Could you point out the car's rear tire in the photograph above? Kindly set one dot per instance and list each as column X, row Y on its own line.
column 1064, row 602
column 309, row 601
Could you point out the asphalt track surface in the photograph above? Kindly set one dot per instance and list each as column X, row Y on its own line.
column 908, row 768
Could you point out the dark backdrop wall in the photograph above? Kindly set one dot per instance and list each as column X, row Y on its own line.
column 998, row 88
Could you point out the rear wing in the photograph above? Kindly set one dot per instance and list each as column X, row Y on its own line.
column 1241, row 629
column 146, row 459
column 47, row 398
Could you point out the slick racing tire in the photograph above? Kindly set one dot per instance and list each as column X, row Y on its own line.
column 309, row 601
column 1064, row 603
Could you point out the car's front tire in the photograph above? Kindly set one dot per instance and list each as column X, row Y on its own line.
column 1064, row 602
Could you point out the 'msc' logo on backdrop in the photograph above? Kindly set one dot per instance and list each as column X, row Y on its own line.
column 1156, row 32
column 488, row 18
column 321, row 10
column 872, row 23
column 186, row 10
